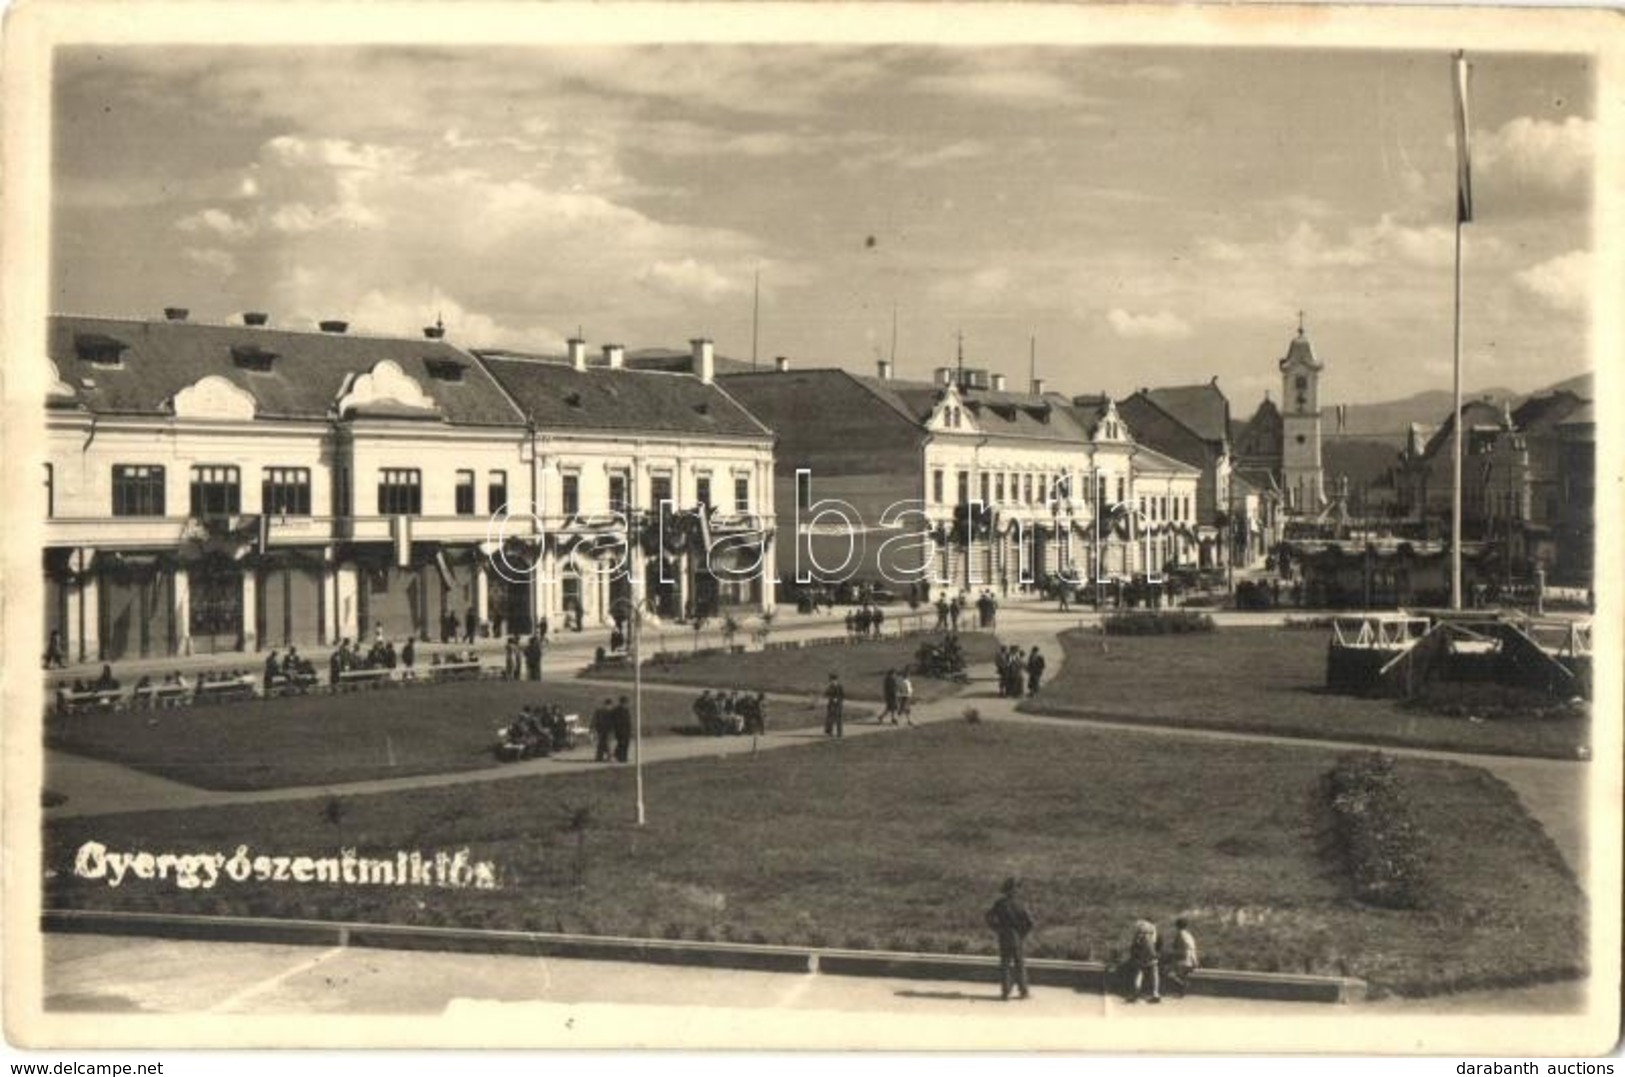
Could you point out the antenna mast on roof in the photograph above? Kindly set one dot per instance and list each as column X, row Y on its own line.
column 894, row 337
column 755, row 317
column 960, row 337
column 1032, row 361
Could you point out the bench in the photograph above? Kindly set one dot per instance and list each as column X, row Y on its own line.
column 453, row 671
column 227, row 691
column 284, row 685
column 154, row 696
column 79, row 702
column 352, row 679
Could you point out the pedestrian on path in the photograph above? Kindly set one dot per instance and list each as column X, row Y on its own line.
column 905, row 698
column 889, row 690
column 533, row 658
column 621, row 719
column 834, row 707
column 1011, row 923
column 1001, row 670
column 1035, row 671
column 603, row 725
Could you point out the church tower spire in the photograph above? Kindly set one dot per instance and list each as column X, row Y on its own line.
column 1301, row 471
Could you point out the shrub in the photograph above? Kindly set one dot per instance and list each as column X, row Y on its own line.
column 972, row 715
column 1163, row 623
column 1468, row 699
column 1374, row 833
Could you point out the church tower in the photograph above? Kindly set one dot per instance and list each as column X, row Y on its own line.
column 1301, row 476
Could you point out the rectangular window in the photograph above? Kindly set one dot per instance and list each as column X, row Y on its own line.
column 1027, row 489
column 1122, row 490
column 803, row 489
column 741, row 493
column 400, row 491
column 937, row 486
column 618, row 502
column 702, row 490
column 216, row 490
column 987, row 487
column 998, row 487
column 50, row 491
column 1162, row 508
column 659, row 490
column 963, row 488
column 285, row 491
column 138, row 490
column 1100, row 489
column 496, row 492
column 570, row 494
column 465, row 493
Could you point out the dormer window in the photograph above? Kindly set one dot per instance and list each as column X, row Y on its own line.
column 252, row 357
column 445, row 369
column 99, row 348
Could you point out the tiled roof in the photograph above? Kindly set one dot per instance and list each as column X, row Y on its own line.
column 1149, row 459
column 1000, row 414
column 559, row 397
column 1477, row 412
column 1584, row 415
column 681, row 361
column 1539, row 413
column 1202, row 409
column 158, row 359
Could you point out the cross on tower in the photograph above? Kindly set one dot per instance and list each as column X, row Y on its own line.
column 1300, row 323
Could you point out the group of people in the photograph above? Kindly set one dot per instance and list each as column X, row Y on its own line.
column 298, row 673
column 535, row 731
column 1019, row 676
column 612, row 719
column 522, row 660
column 736, row 713
column 381, row 655
column 1148, row 962
column 898, row 690
column 865, row 622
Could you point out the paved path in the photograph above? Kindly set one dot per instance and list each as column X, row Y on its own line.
column 114, row 974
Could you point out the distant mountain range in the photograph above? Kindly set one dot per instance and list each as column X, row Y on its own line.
column 1389, row 421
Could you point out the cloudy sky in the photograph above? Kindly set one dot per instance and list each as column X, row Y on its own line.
column 1153, row 216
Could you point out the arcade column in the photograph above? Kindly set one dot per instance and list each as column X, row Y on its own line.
column 182, row 608
column 251, row 610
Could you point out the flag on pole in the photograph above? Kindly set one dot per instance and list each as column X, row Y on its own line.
column 1460, row 77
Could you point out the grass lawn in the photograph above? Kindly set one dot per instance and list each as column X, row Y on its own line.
column 329, row 740
column 901, row 840
column 1267, row 680
column 806, row 670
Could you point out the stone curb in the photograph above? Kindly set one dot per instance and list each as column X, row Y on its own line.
column 1089, row 977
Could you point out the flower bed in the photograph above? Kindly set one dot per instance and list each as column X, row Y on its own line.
column 1375, row 834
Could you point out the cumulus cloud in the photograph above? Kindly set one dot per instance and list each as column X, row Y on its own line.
column 1163, row 325
column 1564, row 282
column 690, row 279
column 1551, row 157
column 212, row 259
column 219, row 222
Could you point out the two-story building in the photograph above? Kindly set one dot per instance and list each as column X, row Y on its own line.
column 653, row 475
column 224, row 487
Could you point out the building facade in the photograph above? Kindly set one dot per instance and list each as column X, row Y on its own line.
column 242, row 487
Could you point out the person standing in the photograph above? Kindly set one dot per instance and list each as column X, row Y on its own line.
column 1011, row 924
column 942, row 613
column 1142, row 956
column 954, row 608
column 621, row 720
column 834, row 707
column 1001, row 669
column 1035, row 671
column 1185, row 959
column 53, row 651
column 409, row 655
column 471, row 622
column 603, row 725
column 1063, row 592
column 533, row 658
column 905, row 698
column 889, row 690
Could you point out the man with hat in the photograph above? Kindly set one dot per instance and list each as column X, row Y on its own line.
column 1011, row 923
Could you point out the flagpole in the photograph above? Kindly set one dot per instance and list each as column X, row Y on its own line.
column 1461, row 434
column 637, row 684
column 1460, row 74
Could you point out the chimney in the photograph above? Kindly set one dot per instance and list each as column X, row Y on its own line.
column 705, row 360
column 255, row 317
column 884, row 368
column 945, row 375
column 614, row 356
column 999, row 383
column 176, row 314
column 437, row 331
column 333, row 326
column 578, row 354
column 1038, row 386
column 781, row 363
